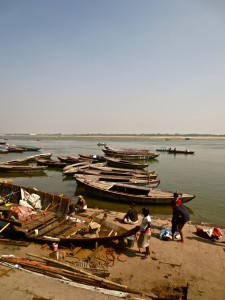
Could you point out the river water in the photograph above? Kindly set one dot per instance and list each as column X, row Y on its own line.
column 201, row 174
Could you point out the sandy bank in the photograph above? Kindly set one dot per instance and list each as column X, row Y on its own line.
column 197, row 265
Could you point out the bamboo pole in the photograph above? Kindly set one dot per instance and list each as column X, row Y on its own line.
column 103, row 281
column 4, row 227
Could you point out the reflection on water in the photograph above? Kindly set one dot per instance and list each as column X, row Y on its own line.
column 22, row 174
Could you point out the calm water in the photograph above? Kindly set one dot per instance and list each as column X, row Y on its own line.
column 201, row 174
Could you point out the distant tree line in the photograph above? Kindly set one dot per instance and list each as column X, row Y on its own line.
column 116, row 134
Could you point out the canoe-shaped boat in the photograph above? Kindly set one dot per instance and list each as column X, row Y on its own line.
column 107, row 169
column 3, row 150
column 94, row 158
column 50, row 163
column 132, row 156
column 22, row 168
column 118, row 150
column 162, row 149
column 178, row 151
column 27, row 159
column 116, row 174
column 50, row 223
column 29, row 148
column 15, row 149
column 121, row 163
column 74, row 168
column 153, row 183
column 119, row 192
column 72, row 159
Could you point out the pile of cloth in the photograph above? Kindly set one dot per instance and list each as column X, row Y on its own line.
column 28, row 204
column 213, row 233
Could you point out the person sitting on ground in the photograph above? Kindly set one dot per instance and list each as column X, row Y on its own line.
column 81, row 204
column 71, row 210
column 131, row 216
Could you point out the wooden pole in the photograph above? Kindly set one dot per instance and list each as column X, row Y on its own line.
column 4, row 227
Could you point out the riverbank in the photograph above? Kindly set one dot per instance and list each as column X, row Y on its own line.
column 196, row 267
column 105, row 136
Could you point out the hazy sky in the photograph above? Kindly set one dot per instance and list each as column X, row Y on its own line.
column 112, row 66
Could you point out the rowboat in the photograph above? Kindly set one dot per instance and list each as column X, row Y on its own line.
column 74, row 168
column 127, row 193
column 27, row 159
column 50, row 163
column 118, row 150
column 117, row 174
column 133, row 156
column 22, row 168
column 50, row 222
column 178, row 151
column 4, row 150
column 162, row 149
column 15, row 149
column 106, row 169
column 121, row 163
column 94, row 158
column 29, row 148
column 153, row 183
column 72, row 159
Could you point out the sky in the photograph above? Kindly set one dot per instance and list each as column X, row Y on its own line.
column 112, row 66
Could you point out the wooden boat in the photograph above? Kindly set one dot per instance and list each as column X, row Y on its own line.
column 3, row 150
column 133, row 156
column 129, row 154
column 94, row 158
column 125, row 175
column 105, row 168
column 22, row 168
column 51, row 223
column 153, row 183
column 72, row 159
column 121, row 163
column 15, row 149
column 73, row 169
column 29, row 148
column 178, row 151
column 133, row 151
column 119, row 192
column 50, row 163
column 27, row 159
column 162, row 149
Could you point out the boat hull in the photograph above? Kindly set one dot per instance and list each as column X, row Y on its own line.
column 137, row 195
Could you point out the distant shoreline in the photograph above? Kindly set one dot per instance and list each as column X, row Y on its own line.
column 158, row 137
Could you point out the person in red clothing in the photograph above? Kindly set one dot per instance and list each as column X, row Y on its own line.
column 180, row 216
column 176, row 199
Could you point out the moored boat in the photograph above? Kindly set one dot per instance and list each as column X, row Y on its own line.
column 179, row 151
column 21, row 168
column 29, row 148
column 121, row 163
column 27, row 159
column 50, row 163
column 119, row 192
column 45, row 220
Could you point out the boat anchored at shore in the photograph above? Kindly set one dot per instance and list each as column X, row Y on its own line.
column 127, row 193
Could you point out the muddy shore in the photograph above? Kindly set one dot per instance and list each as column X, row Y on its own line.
column 195, row 268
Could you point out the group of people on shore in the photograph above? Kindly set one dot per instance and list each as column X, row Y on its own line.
column 180, row 217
